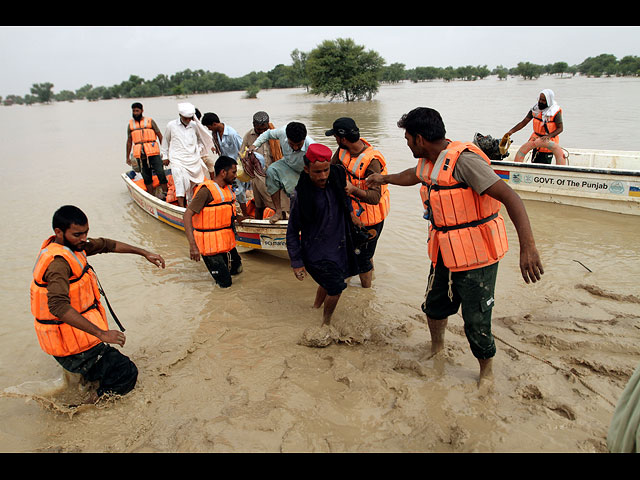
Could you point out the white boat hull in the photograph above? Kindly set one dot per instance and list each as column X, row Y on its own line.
column 601, row 180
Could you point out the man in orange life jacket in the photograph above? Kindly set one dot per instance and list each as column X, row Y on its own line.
column 467, row 236
column 144, row 137
column 360, row 160
column 547, row 126
column 70, row 321
column 209, row 223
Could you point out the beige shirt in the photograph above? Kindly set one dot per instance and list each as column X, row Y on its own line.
column 474, row 171
column 263, row 149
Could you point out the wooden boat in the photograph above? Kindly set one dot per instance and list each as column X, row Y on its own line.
column 250, row 234
column 598, row 179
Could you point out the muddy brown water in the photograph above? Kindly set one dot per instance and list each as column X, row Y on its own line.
column 222, row 370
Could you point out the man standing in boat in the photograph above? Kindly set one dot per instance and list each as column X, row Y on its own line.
column 283, row 175
column 209, row 223
column 145, row 138
column 227, row 142
column 371, row 204
column 318, row 234
column 467, row 236
column 181, row 146
column 271, row 152
column 547, row 125
column 70, row 320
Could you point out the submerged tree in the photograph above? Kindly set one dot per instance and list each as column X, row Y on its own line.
column 43, row 92
column 343, row 69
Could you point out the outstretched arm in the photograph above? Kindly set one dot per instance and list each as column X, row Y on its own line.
column 520, row 125
column 154, row 258
column 406, row 178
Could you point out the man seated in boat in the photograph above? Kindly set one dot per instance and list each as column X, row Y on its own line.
column 209, row 223
column 271, row 152
column 547, row 125
column 284, row 174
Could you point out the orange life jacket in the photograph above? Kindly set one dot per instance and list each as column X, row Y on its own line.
column 541, row 128
column 171, row 187
column 213, row 226
column 56, row 337
column 466, row 228
column 268, row 212
column 356, row 168
column 143, row 135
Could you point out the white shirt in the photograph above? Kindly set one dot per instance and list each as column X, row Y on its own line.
column 182, row 145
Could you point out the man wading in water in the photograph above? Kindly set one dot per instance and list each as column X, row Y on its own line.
column 318, row 234
column 467, row 237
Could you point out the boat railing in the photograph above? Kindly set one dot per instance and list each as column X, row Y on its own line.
column 592, row 159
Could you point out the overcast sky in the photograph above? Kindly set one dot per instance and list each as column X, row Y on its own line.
column 73, row 56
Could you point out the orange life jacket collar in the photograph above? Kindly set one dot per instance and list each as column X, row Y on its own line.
column 356, row 167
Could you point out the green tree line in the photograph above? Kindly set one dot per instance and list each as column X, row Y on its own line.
column 336, row 68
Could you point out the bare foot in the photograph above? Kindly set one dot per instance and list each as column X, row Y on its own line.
column 276, row 216
column 486, row 373
column 92, row 398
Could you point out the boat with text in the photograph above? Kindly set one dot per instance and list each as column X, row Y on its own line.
column 598, row 179
column 251, row 234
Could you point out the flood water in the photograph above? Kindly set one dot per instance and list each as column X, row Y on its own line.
column 221, row 370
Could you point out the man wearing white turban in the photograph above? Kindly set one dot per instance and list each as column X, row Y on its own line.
column 547, row 125
column 181, row 145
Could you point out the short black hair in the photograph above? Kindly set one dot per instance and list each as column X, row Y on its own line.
column 136, row 105
column 210, row 118
column 67, row 215
column 424, row 121
column 224, row 163
column 296, row 131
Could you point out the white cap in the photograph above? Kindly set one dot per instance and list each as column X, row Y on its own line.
column 186, row 109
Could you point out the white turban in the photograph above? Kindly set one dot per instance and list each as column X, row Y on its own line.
column 552, row 105
column 186, row 109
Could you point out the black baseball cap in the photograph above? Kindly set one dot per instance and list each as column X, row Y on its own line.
column 343, row 126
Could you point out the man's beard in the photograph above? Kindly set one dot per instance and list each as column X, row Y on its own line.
column 137, row 118
column 74, row 248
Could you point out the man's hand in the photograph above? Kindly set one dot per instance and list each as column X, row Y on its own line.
column 155, row 259
column 374, row 179
column 113, row 336
column 194, row 253
column 300, row 273
column 350, row 188
column 530, row 264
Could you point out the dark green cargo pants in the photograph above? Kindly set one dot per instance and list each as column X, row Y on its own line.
column 471, row 289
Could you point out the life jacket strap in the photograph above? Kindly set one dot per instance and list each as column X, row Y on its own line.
column 465, row 225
